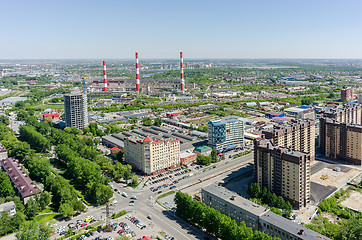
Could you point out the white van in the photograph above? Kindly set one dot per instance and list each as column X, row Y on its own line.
column 124, row 194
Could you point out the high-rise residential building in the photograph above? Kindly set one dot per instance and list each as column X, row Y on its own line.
column 152, row 156
column 341, row 140
column 226, row 133
column 349, row 113
column 283, row 171
column 347, row 94
column 76, row 110
column 298, row 135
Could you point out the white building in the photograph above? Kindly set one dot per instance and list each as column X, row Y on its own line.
column 152, row 156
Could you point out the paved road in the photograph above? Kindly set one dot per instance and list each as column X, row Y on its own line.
column 146, row 205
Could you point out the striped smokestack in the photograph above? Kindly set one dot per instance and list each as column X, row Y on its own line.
column 182, row 72
column 137, row 74
column 105, row 76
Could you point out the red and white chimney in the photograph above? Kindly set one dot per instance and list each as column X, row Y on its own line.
column 137, row 74
column 105, row 76
column 182, row 72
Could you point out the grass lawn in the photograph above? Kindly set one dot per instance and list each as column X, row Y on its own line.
column 51, row 106
column 48, row 210
column 46, row 217
column 165, row 194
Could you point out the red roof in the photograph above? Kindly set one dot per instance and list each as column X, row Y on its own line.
column 147, row 139
column 50, row 115
column 115, row 149
column 146, row 238
column 282, row 118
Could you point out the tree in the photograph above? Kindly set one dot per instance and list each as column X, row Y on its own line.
column 147, row 121
column 21, row 150
column 157, row 122
column 134, row 179
column 45, row 199
column 33, row 231
column 202, row 159
column 32, row 208
column 214, row 156
column 4, row 120
column 16, row 221
column 66, row 210
column 6, row 189
column 4, row 223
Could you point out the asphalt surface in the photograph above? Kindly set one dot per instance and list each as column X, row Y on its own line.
column 146, row 204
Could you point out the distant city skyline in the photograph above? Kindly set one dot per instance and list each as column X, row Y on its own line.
column 161, row 29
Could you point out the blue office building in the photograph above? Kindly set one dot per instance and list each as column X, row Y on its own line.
column 226, row 133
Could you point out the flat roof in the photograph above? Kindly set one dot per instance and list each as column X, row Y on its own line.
column 238, row 201
column 186, row 154
column 290, row 227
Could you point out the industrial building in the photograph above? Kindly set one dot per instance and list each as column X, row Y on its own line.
column 283, row 171
column 298, row 135
column 76, row 110
column 341, row 140
column 152, row 156
column 255, row 216
column 226, row 133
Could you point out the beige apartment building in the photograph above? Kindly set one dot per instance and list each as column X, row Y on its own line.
column 340, row 140
column 350, row 113
column 152, row 156
column 283, row 171
column 298, row 135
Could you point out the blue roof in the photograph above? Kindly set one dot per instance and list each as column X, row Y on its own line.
column 304, row 107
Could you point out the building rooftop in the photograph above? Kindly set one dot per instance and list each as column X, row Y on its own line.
column 291, row 227
column 2, row 148
column 7, row 206
column 186, row 154
column 202, row 149
column 224, row 120
column 26, row 187
column 238, row 201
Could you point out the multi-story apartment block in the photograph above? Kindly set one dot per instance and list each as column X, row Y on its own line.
column 226, row 133
column 340, row 140
column 298, row 135
column 152, row 156
column 350, row 113
column 254, row 215
column 347, row 94
column 76, row 110
column 283, row 171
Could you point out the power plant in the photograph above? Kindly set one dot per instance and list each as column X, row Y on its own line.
column 121, row 85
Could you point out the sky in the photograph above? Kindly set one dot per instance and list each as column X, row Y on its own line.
column 106, row 29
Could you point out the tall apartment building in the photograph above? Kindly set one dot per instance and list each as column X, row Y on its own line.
column 226, row 133
column 341, row 140
column 298, row 135
column 360, row 98
column 254, row 215
column 283, row 171
column 76, row 110
column 350, row 113
column 152, row 156
column 347, row 94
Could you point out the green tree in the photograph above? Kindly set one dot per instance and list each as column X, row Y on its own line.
column 33, row 231
column 6, row 189
column 147, row 121
column 21, row 150
column 32, row 208
column 5, row 226
column 214, row 157
column 66, row 210
column 202, row 159
column 157, row 122
column 16, row 221
column 4, row 120
column 134, row 179
column 45, row 199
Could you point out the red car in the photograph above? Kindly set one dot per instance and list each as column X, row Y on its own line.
column 83, row 224
column 121, row 223
column 132, row 219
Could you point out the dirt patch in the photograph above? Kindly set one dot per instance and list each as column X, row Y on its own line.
column 354, row 201
column 328, row 177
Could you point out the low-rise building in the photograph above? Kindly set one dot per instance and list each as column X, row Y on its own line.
column 3, row 152
column 187, row 157
column 255, row 216
column 26, row 188
column 204, row 150
column 9, row 207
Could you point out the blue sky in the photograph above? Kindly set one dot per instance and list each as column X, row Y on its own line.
column 100, row 29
